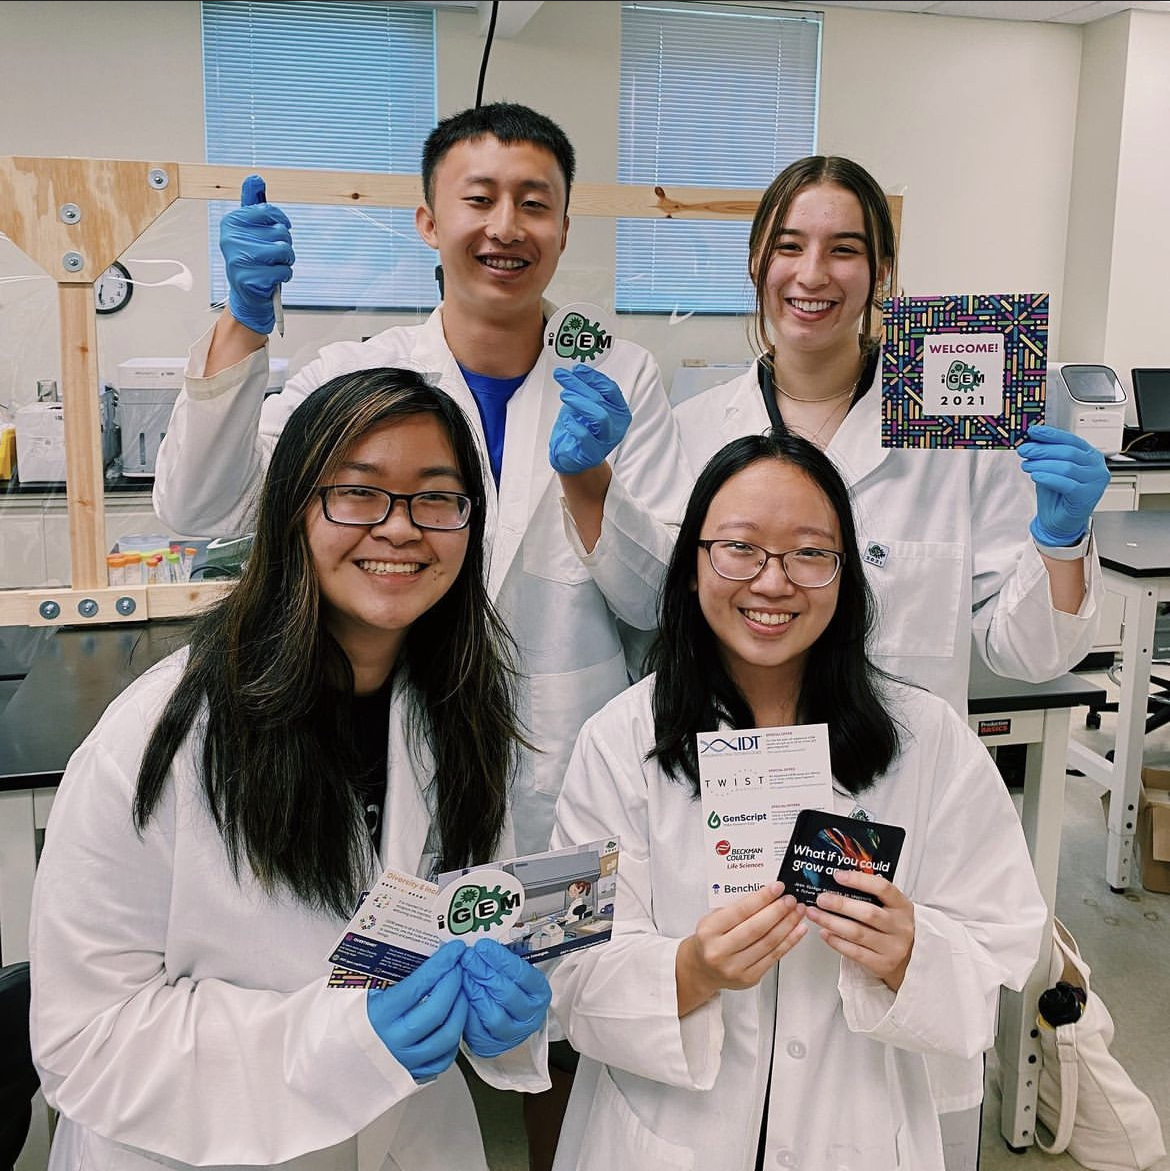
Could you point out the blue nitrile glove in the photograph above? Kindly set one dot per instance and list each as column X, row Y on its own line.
column 507, row 998
column 1070, row 477
column 592, row 421
column 421, row 1019
column 256, row 242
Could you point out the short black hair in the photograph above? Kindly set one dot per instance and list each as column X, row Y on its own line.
column 507, row 121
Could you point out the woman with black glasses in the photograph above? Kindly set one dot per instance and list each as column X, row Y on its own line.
column 348, row 706
column 765, row 1033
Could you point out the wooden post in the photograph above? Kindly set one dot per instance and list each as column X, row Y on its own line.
column 84, row 484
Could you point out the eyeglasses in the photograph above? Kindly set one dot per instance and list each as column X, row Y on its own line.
column 358, row 504
column 742, row 561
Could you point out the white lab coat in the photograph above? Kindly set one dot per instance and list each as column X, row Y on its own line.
column 568, row 613
column 180, row 1016
column 953, row 556
column 850, row 1088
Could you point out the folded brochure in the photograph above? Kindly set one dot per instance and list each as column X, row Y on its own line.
column 540, row 906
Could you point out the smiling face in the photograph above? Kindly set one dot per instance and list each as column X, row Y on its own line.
column 375, row 580
column 817, row 282
column 497, row 218
column 765, row 627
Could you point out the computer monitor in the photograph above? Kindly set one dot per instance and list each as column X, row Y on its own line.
column 1151, row 398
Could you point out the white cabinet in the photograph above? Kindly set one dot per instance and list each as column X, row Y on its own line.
column 34, row 535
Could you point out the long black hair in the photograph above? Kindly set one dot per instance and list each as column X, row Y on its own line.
column 693, row 691
column 270, row 691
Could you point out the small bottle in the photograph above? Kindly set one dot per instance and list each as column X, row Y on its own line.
column 173, row 570
column 133, row 568
column 114, row 569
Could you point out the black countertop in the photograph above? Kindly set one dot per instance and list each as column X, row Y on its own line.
column 72, row 681
column 994, row 693
column 1136, row 544
column 81, row 669
column 116, row 484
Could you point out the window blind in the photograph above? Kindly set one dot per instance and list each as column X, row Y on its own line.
column 711, row 96
column 332, row 85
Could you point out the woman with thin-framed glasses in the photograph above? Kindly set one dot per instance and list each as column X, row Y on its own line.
column 765, row 1033
column 348, row 706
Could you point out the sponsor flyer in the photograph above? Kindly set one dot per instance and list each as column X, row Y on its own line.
column 823, row 843
column 963, row 370
column 539, row 906
column 752, row 784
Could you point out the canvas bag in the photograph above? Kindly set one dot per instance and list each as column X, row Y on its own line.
column 1085, row 1097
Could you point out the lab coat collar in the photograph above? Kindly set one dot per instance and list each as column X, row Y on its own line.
column 856, row 447
column 526, row 471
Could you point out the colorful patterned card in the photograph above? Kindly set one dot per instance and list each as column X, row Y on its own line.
column 964, row 370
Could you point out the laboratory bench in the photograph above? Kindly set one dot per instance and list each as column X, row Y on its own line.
column 1134, row 548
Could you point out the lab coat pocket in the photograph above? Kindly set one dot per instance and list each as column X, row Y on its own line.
column 615, row 1137
column 919, row 587
column 561, row 703
column 547, row 552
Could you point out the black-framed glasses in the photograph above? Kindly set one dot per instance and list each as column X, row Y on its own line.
column 359, row 504
column 742, row 561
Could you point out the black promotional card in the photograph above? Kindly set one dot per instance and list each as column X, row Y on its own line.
column 822, row 842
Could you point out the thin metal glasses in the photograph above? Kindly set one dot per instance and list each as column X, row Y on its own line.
column 359, row 504
column 742, row 561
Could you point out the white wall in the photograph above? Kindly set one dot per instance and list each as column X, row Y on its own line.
column 1089, row 253
column 972, row 120
column 1139, row 305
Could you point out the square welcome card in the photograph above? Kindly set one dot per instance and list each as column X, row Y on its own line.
column 963, row 370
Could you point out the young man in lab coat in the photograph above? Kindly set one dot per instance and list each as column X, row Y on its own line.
column 496, row 187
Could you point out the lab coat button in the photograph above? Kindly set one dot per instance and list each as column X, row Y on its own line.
column 786, row 1158
column 796, row 1049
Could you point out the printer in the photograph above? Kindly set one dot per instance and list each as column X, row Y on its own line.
column 40, row 438
column 1087, row 400
column 147, row 389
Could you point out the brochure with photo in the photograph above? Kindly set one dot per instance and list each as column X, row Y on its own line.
column 540, row 906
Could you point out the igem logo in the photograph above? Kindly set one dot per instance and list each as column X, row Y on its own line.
column 962, row 376
column 581, row 339
column 475, row 908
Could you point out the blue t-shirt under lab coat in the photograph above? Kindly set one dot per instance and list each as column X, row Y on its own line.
column 491, row 396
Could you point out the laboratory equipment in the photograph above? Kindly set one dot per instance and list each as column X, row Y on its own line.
column 1089, row 401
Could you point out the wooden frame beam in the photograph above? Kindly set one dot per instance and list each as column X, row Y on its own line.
column 74, row 217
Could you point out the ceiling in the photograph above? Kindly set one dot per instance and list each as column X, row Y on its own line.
column 1058, row 11
column 513, row 15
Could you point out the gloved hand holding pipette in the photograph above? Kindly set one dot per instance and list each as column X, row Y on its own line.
column 256, row 241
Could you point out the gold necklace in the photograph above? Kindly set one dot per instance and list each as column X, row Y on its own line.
column 829, row 417
column 826, row 399
column 846, row 394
